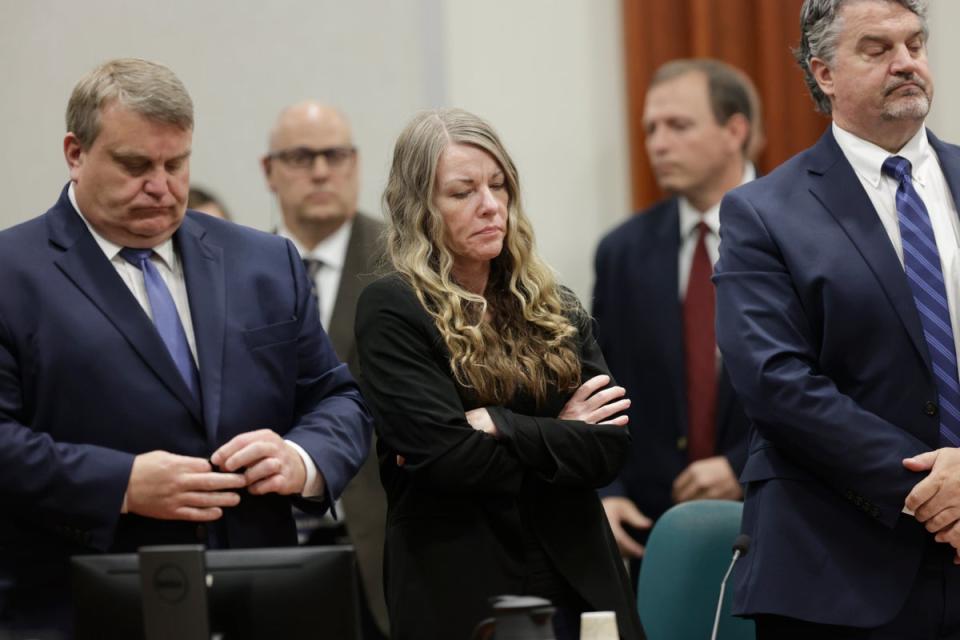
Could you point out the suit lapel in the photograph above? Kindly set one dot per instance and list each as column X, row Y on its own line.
column 949, row 159
column 204, row 274
column 84, row 263
column 359, row 269
column 665, row 249
column 837, row 187
column 344, row 308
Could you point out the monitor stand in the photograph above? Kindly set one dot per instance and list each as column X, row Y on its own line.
column 173, row 580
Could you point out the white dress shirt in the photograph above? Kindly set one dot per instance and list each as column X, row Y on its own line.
column 690, row 217
column 867, row 159
column 168, row 264
column 170, row 268
column 331, row 253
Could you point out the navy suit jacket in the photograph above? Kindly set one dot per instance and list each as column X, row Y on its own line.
column 822, row 339
column 639, row 318
column 86, row 384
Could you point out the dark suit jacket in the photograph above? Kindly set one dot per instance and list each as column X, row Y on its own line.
column 639, row 320
column 460, row 505
column 363, row 499
column 822, row 339
column 86, row 384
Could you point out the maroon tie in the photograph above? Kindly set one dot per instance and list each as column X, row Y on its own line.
column 700, row 344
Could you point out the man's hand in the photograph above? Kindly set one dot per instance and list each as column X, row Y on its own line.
column 268, row 464
column 620, row 512
column 593, row 404
column 710, row 478
column 935, row 500
column 172, row 487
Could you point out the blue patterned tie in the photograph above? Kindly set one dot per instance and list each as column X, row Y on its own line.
column 921, row 261
column 165, row 316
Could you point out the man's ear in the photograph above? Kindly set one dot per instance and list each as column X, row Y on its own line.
column 823, row 75
column 73, row 153
column 738, row 128
column 267, row 165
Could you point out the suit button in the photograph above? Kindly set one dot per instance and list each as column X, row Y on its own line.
column 930, row 408
column 201, row 533
column 682, row 443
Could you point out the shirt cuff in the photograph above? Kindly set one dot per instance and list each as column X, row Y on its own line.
column 313, row 486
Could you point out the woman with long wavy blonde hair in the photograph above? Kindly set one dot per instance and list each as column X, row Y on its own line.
column 497, row 418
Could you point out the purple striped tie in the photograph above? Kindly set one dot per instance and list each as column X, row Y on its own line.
column 921, row 261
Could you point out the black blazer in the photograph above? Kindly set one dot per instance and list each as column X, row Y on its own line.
column 640, row 330
column 459, row 507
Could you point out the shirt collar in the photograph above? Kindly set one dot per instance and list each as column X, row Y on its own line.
column 110, row 249
column 331, row 251
column 867, row 158
column 690, row 217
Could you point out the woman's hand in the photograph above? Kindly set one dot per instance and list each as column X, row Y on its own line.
column 593, row 404
column 480, row 420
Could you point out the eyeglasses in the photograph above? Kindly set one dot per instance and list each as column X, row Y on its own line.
column 304, row 157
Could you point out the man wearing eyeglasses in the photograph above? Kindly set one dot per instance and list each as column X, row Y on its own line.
column 312, row 167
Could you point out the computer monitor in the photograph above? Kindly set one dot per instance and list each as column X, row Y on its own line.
column 291, row 592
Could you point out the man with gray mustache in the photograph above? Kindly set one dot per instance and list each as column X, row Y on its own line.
column 838, row 316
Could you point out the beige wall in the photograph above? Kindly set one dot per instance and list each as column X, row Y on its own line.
column 547, row 73
column 944, row 54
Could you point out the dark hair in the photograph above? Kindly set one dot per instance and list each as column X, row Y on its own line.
column 819, row 31
column 199, row 197
column 730, row 91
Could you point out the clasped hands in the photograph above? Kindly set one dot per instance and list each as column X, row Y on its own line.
column 935, row 500
column 168, row 486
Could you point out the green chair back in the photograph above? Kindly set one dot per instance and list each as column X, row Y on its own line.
column 687, row 555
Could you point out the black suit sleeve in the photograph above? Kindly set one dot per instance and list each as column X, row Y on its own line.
column 568, row 452
column 420, row 415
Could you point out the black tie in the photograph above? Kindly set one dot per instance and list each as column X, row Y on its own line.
column 313, row 266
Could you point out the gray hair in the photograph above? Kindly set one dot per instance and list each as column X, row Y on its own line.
column 820, row 27
column 148, row 88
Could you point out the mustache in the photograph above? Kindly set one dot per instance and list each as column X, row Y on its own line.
column 916, row 81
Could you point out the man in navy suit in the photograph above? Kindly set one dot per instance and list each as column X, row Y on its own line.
column 164, row 377
column 837, row 315
column 653, row 300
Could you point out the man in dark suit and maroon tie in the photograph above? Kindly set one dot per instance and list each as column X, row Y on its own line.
column 653, row 300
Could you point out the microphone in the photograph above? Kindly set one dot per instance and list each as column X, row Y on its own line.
column 740, row 547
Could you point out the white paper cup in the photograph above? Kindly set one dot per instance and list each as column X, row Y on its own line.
column 599, row 625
